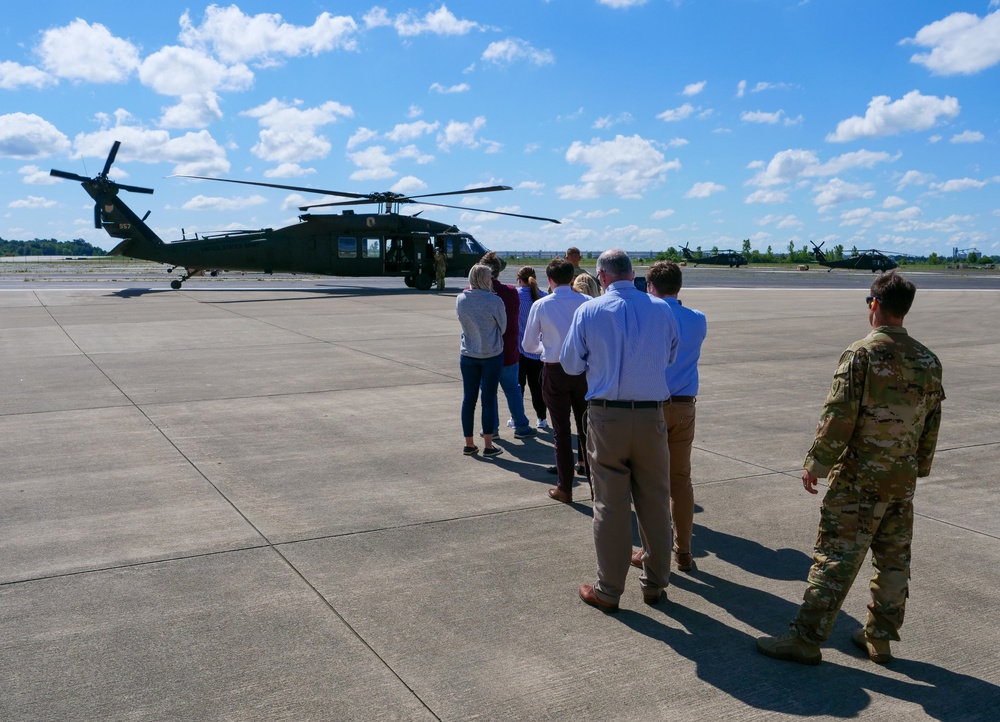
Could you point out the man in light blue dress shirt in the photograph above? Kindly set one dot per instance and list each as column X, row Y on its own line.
column 664, row 280
column 624, row 341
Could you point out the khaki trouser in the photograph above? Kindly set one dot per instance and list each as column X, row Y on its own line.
column 680, row 435
column 629, row 463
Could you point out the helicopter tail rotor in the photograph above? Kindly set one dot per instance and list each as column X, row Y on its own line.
column 101, row 186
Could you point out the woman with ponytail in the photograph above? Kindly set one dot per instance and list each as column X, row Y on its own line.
column 530, row 365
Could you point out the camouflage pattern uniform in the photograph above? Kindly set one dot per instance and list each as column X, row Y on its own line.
column 876, row 435
column 441, row 267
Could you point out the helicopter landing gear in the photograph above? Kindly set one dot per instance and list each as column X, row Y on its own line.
column 408, row 280
column 176, row 283
column 423, row 282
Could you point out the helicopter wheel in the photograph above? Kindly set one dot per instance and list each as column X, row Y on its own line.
column 423, row 282
column 408, row 280
column 176, row 285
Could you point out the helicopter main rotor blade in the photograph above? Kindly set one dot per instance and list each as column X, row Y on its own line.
column 487, row 189
column 68, row 176
column 133, row 189
column 362, row 202
column 111, row 158
column 483, row 210
column 317, row 191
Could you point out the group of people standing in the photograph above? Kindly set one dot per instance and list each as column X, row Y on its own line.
column 623, row 364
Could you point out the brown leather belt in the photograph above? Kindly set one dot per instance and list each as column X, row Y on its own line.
column 604, row 403
column 549, row 363
column 681, row 399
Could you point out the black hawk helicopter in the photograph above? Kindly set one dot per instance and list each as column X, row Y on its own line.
column 872, row 260
column 722, row 258
column 385, row 243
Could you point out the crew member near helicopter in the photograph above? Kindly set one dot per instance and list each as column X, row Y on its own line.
column 440, row 266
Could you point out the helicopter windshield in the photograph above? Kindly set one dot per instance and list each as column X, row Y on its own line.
column 471, row 246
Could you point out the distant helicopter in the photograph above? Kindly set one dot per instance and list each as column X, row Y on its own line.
column 349, row 244
column 872, row 260
column 722, row 258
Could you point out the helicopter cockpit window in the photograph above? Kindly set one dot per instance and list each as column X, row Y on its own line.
column 371, row 248
column 471, row 246
column 347, row 247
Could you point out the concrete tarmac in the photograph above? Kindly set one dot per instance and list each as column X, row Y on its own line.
column 230, row 503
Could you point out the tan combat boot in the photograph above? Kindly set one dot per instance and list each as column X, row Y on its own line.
column 877, row 649
column 790, row 647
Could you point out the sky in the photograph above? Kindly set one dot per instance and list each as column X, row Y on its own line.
column 639, row 124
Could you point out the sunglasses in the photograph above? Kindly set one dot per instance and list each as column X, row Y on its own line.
column 869, row 299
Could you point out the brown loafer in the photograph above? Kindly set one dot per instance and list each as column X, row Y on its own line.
column 652, row 598
column 637, row 558
column 589, row 596
column 684, row 561
column 560, row 495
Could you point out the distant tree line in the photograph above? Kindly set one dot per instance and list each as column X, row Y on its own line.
column 49, row 247
column 805, row 255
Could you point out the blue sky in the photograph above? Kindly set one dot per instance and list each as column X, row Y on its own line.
column 637, row 123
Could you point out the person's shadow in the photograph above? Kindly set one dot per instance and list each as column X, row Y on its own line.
column 727, row 659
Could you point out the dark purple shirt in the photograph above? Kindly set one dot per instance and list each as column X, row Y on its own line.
column 512, row 304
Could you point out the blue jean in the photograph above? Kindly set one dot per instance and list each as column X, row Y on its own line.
column 484, row 374
column 511, row 386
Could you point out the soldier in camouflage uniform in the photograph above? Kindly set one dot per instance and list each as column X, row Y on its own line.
column 440, row 267
column 876, row 435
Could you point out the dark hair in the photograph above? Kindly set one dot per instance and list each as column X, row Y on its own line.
column 526, row 274
column 560, row 271
column 572, row 251
column 894, row 293
column 493, row 261
column 665, row 277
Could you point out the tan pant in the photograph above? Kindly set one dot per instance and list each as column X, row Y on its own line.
column 629, row 463
column 680, row 435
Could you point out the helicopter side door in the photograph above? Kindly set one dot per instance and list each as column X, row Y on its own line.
column 358, row 256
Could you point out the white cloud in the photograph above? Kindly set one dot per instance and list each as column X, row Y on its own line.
column 676, row 114
column 913, row 178
column 80, row 51
column 404, row 132
column 893, row 202
column 289, row 132
column 180, row 71
column 28, row 136
column 374, row 163
column 962, row 43
column 32, row 202
column 958, row 184
column 741, row 88
column 760, row 116
column 626, row 167
column 660, row 215
column 790, row 221
column 788, row 166
column 33, row 175
column 237, row 38
column 209, row 203
column 835, row 191
column 533, row 187
column 911, row 112
column 450, row 90
column 608, row 121
column 506, row 52
column 767, row 196
column 14, row 76
column 762, row 86
column 288, row 170
column 968, row 136
column 694, row 88
column 677, row 142
column 408, row 185
column 704, row 190
column 361, row 136
column 195, row 110
column 463, row 134
column 438, row 22
column 191, row 153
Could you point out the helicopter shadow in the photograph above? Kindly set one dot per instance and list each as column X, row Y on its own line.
column 307, row 293
column 726, row 659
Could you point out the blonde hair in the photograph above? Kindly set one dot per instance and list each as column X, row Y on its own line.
column 587, row 284
column 481, row 277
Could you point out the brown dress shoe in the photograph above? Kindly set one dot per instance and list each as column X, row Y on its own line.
column 684, row 561
column 560, row 495
column 637, row 558
column 588, row 595
column 652, row 598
